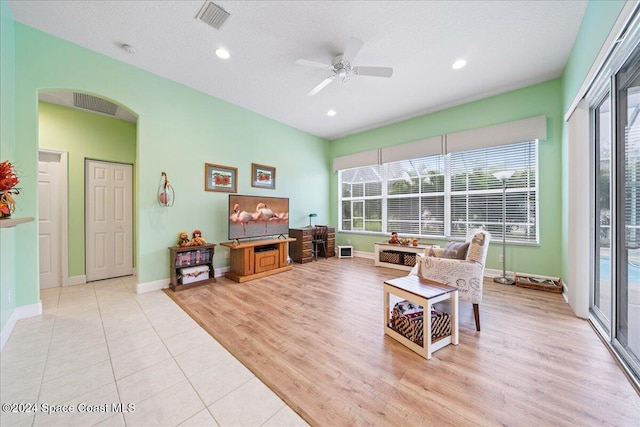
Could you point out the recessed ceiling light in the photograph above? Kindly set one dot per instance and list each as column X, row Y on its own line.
column 459, row 64
column 222, row 53
column 331, row 113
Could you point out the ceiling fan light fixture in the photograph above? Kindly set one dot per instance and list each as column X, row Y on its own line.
column 341, row 67
column 460, row 63
column 222, row 53
column 128, row 48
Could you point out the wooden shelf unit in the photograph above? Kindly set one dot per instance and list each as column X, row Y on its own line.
column 300, row 250
column 257, row 258
column 190, row 256
column 394, row 247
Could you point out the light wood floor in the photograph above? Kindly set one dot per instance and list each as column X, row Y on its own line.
column 314, row 335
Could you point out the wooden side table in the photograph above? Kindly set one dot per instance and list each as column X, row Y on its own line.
column 425, row 293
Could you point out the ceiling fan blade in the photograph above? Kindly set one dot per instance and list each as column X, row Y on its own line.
column 373, row 71
column 321, row 86
column 313, row 64
column 352, row 49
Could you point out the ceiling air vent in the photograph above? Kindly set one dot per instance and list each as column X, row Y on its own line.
column 93, row 103
column 213, row 15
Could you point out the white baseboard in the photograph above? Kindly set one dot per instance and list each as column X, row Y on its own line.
column 152, row 286
column 75, row 280
column 21, row 312
column 164, row 283
column 360, row 254
column 492, row 272
column 219, row 272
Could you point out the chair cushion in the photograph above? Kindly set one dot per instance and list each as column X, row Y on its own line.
column 456, row 250
column 437, row 252
column 478, row 245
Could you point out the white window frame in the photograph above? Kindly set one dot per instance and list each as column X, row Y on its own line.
column 446, row 159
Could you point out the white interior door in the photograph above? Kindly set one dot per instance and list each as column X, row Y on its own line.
column 49, row 217
column 109, row 220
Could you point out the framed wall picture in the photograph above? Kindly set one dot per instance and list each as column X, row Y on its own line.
column 263, row 176
column 220, row 178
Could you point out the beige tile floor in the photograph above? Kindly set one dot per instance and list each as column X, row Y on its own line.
column 102, row 343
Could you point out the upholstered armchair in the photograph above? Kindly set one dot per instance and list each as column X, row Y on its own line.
column 462, row 270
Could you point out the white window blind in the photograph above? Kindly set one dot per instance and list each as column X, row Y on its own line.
column 445, row 195
column 415, row 196
column 476, row 195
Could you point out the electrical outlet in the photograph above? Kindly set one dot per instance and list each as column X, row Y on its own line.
column 500, row 259
column 348, row 241
column 9, row 297
column 226, row 254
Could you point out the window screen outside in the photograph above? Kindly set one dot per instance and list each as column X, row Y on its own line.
column 445, row 195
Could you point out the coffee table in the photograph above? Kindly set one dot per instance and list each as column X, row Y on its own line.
column 425, row 293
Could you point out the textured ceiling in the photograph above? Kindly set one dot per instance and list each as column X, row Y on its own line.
column 507, row 45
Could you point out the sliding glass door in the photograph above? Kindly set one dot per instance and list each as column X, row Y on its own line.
column 602, row 293
column 627, row 300
column 615, row 290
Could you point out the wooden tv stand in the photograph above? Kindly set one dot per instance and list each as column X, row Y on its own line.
column 257, row 258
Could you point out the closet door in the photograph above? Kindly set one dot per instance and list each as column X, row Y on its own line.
column 109, row 220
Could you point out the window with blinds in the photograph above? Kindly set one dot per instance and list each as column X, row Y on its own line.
column 476, row 195
column 361, row 199
column 445, row 195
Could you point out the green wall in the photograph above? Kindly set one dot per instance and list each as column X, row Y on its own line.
column 597, row 22
column 84, row 136
column 540, row 99
column 7, row 137
column 178, row 131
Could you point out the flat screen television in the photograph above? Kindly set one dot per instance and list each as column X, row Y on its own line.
column 257, row 216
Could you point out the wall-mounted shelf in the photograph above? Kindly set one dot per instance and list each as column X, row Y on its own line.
column 12, row 222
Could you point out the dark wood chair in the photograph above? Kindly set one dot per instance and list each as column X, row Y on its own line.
column 319, row 240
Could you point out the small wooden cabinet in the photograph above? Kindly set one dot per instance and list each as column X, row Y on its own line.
column 257, row 258
column 301, row 250
column 191, row 266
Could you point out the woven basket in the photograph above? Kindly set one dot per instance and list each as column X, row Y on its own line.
column 392, row 257
column 539, row 283
column 407, row 320
column 409, row 259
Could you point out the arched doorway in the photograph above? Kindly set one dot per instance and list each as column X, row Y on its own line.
column 78, row 126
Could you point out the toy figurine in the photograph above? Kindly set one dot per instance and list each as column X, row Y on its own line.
column 394, row 238
column 197, row 238
column 183, row 239
column 415, row 241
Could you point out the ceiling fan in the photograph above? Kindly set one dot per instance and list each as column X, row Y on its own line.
column 341, row 66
